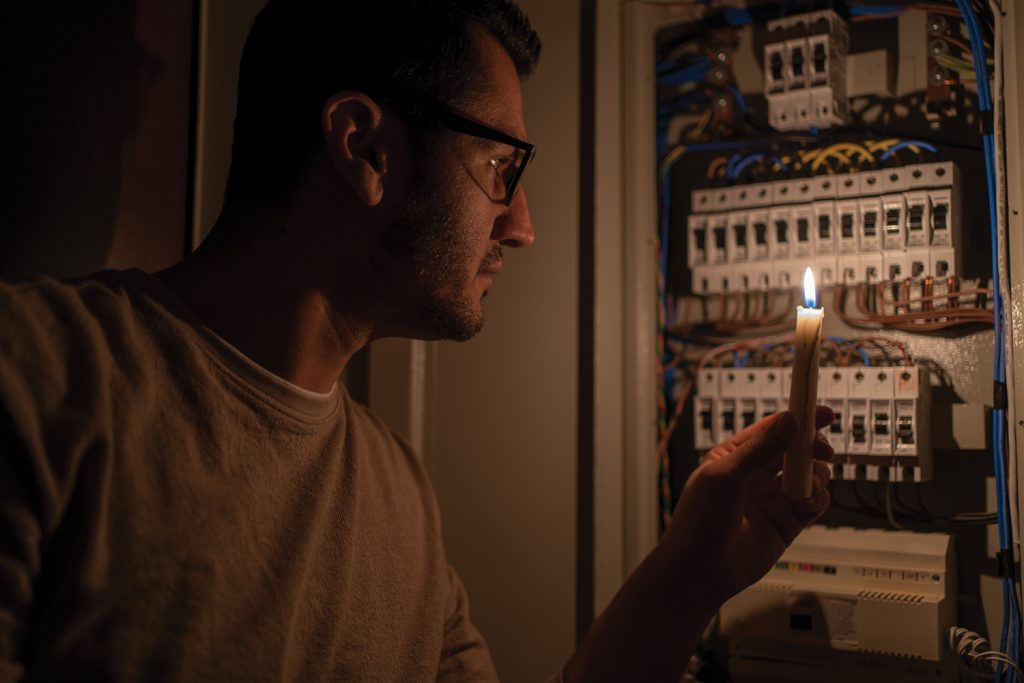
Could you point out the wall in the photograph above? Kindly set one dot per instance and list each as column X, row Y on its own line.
column 223, row 28
column 94, row 135
column 501, row 421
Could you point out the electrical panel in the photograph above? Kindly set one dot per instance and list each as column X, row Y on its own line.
column 860, row 141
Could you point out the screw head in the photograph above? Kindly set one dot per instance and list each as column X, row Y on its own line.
column 938, row 48
column 937, row 24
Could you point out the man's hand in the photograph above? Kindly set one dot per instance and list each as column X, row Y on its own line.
column 730, row 526
column 732, row 521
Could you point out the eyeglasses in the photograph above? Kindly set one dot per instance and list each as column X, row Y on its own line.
column 507, row 170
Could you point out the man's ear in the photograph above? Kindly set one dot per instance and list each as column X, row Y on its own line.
column 358, row 144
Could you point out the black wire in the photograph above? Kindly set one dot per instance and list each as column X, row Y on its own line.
column 864, row 508
column 856, row 494
column 893, row 132
column 908, row 511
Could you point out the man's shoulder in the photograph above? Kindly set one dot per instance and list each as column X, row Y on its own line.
column 65, row 339
column 47, row 319
column 376, row 431
column 391, row 450
column 44, row 303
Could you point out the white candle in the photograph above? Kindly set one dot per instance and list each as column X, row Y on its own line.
column 798, row 466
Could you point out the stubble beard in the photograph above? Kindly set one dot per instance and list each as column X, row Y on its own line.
column 427, row 230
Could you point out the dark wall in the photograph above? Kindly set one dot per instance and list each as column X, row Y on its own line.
column 95, row 100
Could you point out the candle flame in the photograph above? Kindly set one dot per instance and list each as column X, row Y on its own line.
column 810, row 292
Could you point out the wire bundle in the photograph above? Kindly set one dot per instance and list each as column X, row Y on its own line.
column 777, row 350
column 830, row 159
column 1010, row 636
column 891, row 305
column 975, row 656
column 737, row 312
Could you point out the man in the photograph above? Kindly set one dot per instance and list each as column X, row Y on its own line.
column 186, row 492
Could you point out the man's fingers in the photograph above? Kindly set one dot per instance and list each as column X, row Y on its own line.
column 822, row 448
column 820, row 477
column 761, row 446
column 765, row 448
column 810, row 509
column 823, row 416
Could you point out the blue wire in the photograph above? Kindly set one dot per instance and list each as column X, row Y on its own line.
column 665, row 188
column 690, row 74
column 1010, row 613
column 747, row 161
column 737, row 17
column 668, row 67
column 868, row 10
column 733, row 160
column 742, row 103
column 908, row 143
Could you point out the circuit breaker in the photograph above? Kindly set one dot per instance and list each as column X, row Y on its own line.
column 870, row 235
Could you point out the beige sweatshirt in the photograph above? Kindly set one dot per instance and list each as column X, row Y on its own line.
column 171, row 511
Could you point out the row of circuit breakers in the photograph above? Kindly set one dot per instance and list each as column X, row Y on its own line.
column 805, row 71
column 879, row 413
column 869, row 226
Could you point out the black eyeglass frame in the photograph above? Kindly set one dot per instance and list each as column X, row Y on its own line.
column 458, row 123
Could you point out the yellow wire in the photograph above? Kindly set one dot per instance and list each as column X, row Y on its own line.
column 671, row 157
column 701, row 126
column 880, row 145
column 837, row 150
column 830, row 154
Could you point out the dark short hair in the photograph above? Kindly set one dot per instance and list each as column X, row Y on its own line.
column 300, row 52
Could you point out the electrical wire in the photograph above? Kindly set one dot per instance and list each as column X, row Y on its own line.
column 928, row 318
column 1003, row 269
column 686, row 74
column 664, row 463
column 973, row 651
column 740, row 101
column 908, row 143
column 1010, row 633
column 888, row 508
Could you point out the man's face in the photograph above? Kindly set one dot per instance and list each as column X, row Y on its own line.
column 450, row 225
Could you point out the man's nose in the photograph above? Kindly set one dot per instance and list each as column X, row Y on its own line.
column 514, row 227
